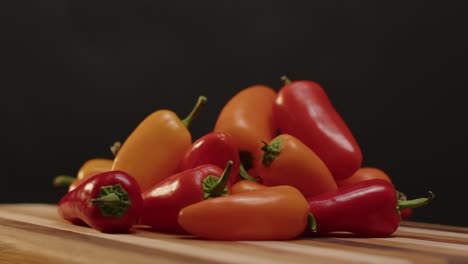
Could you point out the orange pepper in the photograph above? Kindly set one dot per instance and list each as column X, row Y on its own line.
column 276, row 213
column 248, row 117
column 89, row 168
column 287, row 161
column 364, row 174
column 244, row 186
column 155, row 148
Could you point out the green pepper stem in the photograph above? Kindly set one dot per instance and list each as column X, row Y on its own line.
column 195, row 111
column 245, row 175
column 401, row 196
column 285, row 79
column 63, row 180
column 115, row 148
column 311, row 222
column 220, row 185
column 271, row 151
column 109, row 199
column 415, row 203
column 113, row 200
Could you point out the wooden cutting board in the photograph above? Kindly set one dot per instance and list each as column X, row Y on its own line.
column 33, row 233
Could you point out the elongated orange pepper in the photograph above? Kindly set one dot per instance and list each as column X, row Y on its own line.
column 244, row 186
column 248, row 117
column 275, row 213
column 89, row 168
column 287, row 161
column 364, row 174
column 155, row 148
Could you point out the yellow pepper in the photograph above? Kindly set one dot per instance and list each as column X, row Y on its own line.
column 89, row 168
column 155, row 148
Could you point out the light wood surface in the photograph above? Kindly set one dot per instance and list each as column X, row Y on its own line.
column 33, row 233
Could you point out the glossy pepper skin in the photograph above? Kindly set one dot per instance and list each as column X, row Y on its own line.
column 155, row 148
column 370, row 173
column 287, row 161
column 369, row 208
column 109, row 202
column 215, row 148
column 162, row 202
column 303, row 109
column 248, row 117
column 275, row 213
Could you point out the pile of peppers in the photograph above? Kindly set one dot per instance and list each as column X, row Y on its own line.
column 276, row 166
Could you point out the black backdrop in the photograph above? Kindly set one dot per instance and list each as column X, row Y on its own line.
column 82, row 74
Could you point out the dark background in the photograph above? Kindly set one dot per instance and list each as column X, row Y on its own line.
column 82, row 74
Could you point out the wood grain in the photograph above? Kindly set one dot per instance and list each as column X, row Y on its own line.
column 33, row 233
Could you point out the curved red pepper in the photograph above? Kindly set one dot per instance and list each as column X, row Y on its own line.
column 216, row 148
column 110, row 202
column 303, row 109
column 162, row 202
column 369, row 208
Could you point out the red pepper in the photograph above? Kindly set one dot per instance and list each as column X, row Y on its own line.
column 369, row 208
column 216, row 148
column 110, row 202
column 303, row 109
column 406, row 213
column 162, row 202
